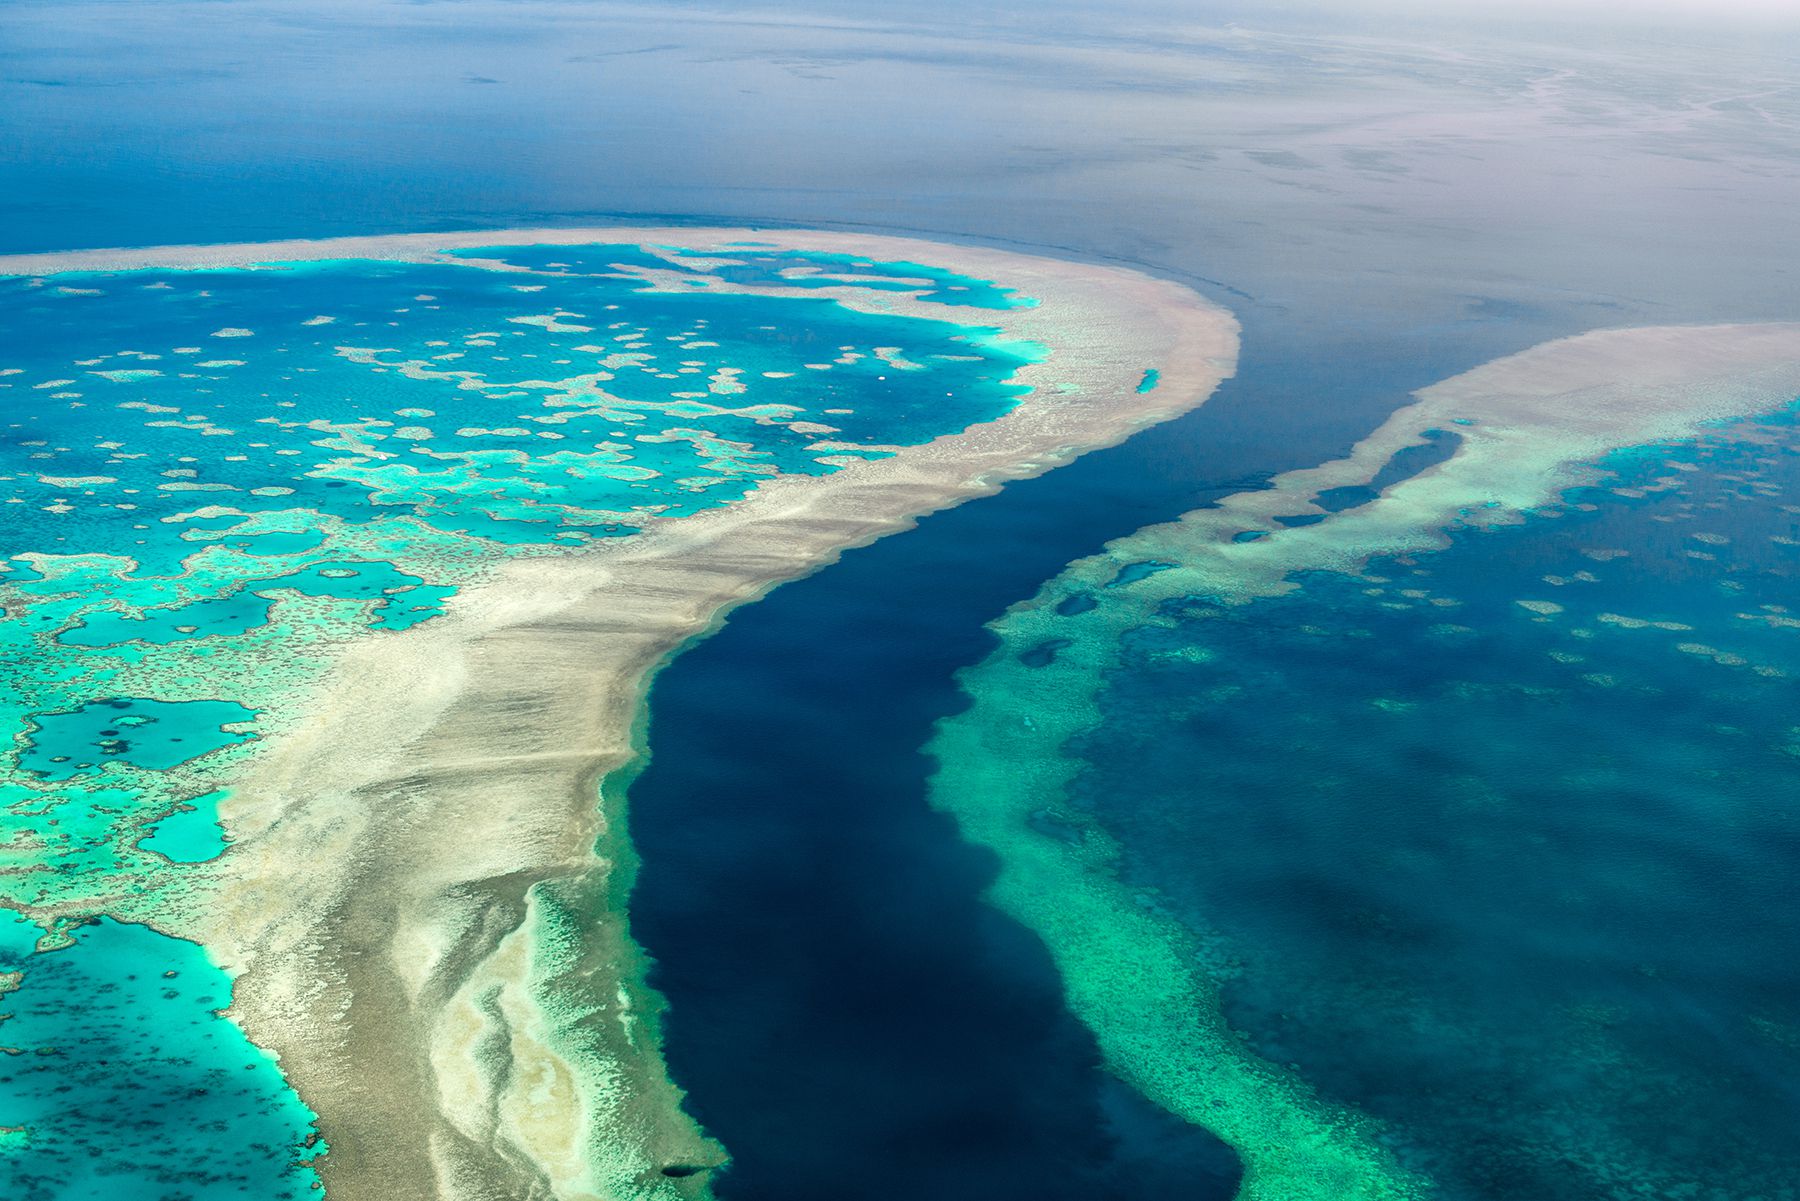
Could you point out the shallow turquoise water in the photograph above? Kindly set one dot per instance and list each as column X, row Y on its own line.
column 143, row 732
column 129, row 1085
column 191, row 835
column 1497, row 842
column 400, row 601
column 215, row 476
column 318, row 376
column 946, row 287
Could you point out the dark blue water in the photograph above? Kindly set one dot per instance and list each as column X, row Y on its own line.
column 844, row 1009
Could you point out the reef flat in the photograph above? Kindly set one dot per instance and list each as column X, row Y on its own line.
column 1178, row 688
column 315, row 683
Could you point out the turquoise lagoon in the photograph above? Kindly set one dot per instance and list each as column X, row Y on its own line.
column 1481, row 861
column 212, row 477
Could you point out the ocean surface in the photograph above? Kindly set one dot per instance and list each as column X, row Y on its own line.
column 1514, row 896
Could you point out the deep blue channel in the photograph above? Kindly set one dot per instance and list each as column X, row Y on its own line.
column 848, row 1015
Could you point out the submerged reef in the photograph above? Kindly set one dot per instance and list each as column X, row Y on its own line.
column 338, row 572
column 1182, row 743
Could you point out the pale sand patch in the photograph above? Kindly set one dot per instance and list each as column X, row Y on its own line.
column 390, row 852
